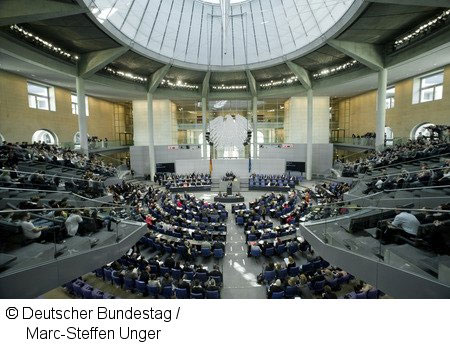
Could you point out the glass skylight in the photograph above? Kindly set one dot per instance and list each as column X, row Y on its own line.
column 214, row 34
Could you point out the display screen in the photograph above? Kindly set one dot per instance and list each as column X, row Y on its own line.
column 298, row 166
column 165, row 167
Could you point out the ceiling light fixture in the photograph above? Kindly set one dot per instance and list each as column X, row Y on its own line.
column 38, row 41
column 230, row 87
column 279, row 83
column 166, row 83
column 332, row 70
column 423, row 29
column 125, row 75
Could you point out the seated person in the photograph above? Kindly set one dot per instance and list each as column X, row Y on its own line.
column 404, row 223
column 275, row 287
column 154, row 282
column 166, row 281
column 197, row 288
column 303, row 288
column 184, row 284
column 211, row 285
column 72, row 223
column 30, row 231
column 215, row 271
column 291, row 262
column 328, row 294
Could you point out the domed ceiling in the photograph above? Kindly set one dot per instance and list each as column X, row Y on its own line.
column 222, row 34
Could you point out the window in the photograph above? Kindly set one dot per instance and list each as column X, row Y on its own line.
column 421, row 130
column 74, row 100
column 208, row 147
column 45, row 136
column 260, row 139
column 390, row 98
column 431, row 87
column 38, row 96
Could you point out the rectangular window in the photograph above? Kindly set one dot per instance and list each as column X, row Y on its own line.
column 38, row 96
column 431, row 87
column 74, row 104
column 74, row 100
column 390, row 97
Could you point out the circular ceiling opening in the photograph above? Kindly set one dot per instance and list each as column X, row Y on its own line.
column 222, row 35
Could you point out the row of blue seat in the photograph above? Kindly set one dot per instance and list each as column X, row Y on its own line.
column 167, row 292
column 83, row 290
column 270, row 276
column 277, row 250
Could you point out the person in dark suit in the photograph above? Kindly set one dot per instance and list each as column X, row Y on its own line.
column 269, row 267
column 218, row 245
column 169, row 262
column 215, row 272
column 184, row 284
column 197, row 288
column 328, row 294
column 145, row 275
column 276, row 287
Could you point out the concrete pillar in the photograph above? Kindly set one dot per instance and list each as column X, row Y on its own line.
column 309, row 133
column 82, row 120
column 205, row 145
column 381, row 108
column 151, row 142
column 255, row 126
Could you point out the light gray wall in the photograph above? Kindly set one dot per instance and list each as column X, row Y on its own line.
column 165, row 155
column 322, row 155
column 189, row 160
column 139, row 157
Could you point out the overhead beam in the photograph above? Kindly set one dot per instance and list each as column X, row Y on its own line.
column 427, row 3
column 32, row 55
column 205, row 85
column 251, row 83
column 92, row 62
column 21, row 11
column 157, row 77
column 368, row 54
column 301, row 73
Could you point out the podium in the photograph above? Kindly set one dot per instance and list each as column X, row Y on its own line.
column 230, row 189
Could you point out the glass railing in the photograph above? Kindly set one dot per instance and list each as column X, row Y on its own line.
column 98, row 145
column 54, row 225
column 363, row 141
column 364, row 227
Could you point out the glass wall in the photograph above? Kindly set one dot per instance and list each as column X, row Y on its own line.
column 270, row 121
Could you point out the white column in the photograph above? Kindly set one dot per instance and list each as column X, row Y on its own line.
column 309, row 133
column 205, row 145
column 381, row 108
column 255, row 126
column 82, row 121
column 151, row 142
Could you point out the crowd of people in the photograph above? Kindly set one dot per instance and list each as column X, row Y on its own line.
column 171, row 180
column 397, row 154
column 286, row 180
column 425, row 176
column 160, row 274
column 89, row 183
column 229, row 176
